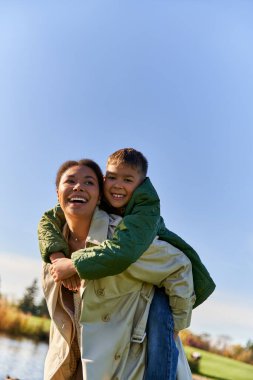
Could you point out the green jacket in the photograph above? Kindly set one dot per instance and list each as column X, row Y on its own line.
column 132, row 237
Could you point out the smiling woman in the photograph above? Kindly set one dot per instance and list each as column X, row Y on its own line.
column 79, row 187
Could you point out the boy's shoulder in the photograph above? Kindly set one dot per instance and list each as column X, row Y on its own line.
column 114, row 220
column 145, row 195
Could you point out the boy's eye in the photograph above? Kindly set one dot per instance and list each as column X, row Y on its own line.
column 110, row 177
column 128, row 180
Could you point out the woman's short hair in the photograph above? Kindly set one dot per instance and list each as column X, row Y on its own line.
column 83, row 162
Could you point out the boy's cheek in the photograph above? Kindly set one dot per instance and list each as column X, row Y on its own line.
column 105, row 187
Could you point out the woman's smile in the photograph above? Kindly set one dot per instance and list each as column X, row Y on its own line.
column 78, row 190
column 78, row 200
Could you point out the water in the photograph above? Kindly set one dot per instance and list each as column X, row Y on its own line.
column 23, row 358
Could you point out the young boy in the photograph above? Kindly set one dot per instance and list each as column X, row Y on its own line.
column 127, row 192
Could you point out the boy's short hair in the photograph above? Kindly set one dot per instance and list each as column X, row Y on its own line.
column 131, row 157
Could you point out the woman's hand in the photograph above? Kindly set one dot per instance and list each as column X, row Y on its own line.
column 56, row 255
column 61, row 269
column 72, row 283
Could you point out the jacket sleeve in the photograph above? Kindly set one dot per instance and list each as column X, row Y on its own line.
column 131, row 238
column 50, row 234
column 203, row 283
column 166, row 266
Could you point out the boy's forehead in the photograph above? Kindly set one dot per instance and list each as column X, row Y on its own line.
column 123, row 169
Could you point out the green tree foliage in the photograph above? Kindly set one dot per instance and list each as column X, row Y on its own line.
column 28, row 303
column 42, row 310
column 249, row 345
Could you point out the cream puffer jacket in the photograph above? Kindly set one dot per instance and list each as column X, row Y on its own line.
column 115, row 309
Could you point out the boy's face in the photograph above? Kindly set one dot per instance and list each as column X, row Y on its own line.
column 120, row 181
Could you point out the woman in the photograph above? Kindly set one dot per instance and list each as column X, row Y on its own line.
column 79, row 187
column 115, row 309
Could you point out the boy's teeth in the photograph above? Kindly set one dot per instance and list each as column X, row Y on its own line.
column 117, row 195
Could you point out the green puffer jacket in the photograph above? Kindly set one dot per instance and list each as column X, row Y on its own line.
column 132, row 237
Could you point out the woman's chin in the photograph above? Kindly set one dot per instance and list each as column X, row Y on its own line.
column 79, row 210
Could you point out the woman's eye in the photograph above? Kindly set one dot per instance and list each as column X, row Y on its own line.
column 88, row 183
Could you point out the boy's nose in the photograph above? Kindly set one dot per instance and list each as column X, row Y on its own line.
column 118, row 185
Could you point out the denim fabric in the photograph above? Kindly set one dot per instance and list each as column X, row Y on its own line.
column 162, row 353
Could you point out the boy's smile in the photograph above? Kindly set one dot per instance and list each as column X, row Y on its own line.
column 119, row 184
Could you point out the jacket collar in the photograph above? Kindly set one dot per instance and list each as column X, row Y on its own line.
column 99, row 227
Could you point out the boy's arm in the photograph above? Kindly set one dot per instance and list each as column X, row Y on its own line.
column 132, row 237
column 50, row 235
column 203, row 283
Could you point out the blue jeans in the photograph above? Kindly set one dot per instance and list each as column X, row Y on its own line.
column 162, row 353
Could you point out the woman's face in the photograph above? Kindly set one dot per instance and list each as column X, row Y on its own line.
column 78, row 191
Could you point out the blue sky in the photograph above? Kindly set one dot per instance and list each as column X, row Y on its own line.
column 173, row 79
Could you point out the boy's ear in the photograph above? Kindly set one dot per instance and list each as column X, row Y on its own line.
column 104, row 177
column 57, row 194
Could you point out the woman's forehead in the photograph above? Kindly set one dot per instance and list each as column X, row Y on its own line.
column 80, row 170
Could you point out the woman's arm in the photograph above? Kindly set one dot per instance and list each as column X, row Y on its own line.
column 166, row 266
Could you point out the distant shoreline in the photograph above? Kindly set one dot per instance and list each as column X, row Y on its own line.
column 15, row 323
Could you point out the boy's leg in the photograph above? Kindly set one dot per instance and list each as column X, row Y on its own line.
column 162, row 353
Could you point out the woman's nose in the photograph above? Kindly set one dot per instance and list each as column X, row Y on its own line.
column 78, row 187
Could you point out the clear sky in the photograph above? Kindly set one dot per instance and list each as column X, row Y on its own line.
column 173, row 79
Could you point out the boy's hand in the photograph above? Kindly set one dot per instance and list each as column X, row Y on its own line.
column 72, row 283
column 61, row 269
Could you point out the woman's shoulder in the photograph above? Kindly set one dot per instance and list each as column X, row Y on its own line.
column 103, row 225
column 111, row 218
